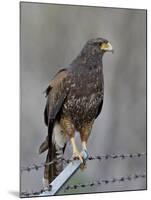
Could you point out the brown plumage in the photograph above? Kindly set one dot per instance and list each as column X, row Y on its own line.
column 74, row 100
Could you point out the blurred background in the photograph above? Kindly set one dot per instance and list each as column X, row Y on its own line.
column 51, row 37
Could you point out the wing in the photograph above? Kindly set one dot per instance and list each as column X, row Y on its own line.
column 44, row 146
column 56, row 93
column 61, row 75
column 99, row 108
column 101, row 97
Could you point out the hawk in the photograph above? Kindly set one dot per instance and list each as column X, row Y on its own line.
column 74, row 101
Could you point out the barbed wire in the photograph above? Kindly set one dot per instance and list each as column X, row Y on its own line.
column 102, row 157
column 34, row 193
column 37, row 166
column 105, row 181
column 95, row 183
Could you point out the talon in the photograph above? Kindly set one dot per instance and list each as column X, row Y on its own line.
column 77, row 155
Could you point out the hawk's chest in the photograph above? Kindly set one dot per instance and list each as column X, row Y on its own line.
column 86, row 91
column 83, row 103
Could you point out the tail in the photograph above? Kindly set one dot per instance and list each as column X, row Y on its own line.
column 54, row 153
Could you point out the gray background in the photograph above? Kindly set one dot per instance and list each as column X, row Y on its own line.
column 51, row 37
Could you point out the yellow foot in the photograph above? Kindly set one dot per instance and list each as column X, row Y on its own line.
column 77, row 155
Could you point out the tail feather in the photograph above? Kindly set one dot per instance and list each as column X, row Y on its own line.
column 52, row 171
column 44, row 146
column 56, row 152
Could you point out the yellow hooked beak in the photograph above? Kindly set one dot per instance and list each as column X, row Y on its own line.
column 106, row 47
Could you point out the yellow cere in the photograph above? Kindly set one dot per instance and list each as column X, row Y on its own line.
column 104, row 46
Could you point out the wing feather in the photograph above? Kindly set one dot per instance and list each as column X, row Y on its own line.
column 56, row 93
column 99, row 108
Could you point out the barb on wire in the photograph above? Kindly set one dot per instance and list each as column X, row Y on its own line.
column 34, row 193
column 102, row 157
column 95, row 183
column 116, row 156
column 36, row 166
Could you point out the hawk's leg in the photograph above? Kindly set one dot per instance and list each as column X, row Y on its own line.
column 84, row 134
column 70, row 130
column 76, row 153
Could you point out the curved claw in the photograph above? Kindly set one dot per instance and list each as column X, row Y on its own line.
column 85, row 157
column 77, row 155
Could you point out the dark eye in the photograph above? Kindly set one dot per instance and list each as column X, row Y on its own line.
column 100, row 44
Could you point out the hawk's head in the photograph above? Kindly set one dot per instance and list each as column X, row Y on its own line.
column 92, row 52
column 100, row 45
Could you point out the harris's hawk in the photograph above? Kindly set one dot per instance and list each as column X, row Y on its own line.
column 74, row 101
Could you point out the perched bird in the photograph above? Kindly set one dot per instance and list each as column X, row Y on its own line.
column 74, row 101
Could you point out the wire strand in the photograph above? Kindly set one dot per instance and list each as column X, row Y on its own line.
column 100, row 182
column 94, row 183
column 100, row 158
